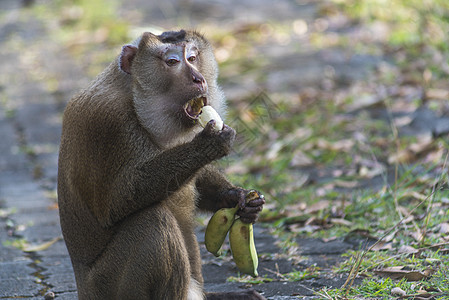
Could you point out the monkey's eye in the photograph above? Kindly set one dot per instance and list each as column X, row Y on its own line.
column 171, row 61
column 191, row 58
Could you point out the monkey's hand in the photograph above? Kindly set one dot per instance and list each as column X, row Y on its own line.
column 248, row 210
column 215, row 144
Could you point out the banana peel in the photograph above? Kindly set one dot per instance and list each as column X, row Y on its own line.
column 218, row 228
column 241, row 238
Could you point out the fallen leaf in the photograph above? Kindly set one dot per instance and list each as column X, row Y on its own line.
column 299, row 206
column 407, row 249
column 391, row 236
column 40, row 247
column 53, row 206
column 398, row 273
column 340, row 221
column 300, row 159
column 398, row 291
column 418, row 235
column 341, row 145
column 413, row 195
column 437, row 94
column 413, row 151
column 444, row 251
column 444, row 228
column 297, row 228
column 366, row 101
column 382, row 246
column 316, row 207
column 273, row 152
column 237, row 169
column 330, row 239
column 346, row 184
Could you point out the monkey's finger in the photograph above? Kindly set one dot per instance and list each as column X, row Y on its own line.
column 256, row 202
column 227, row 127
column 242, row 201
column 249, row 218
column 210, row 126
column 251, row 210
column 228, row 132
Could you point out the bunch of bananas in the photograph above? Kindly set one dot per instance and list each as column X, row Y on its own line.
column 241, row 237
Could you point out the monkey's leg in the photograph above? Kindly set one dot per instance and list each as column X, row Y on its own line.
column 146, row 259
column 194, row 257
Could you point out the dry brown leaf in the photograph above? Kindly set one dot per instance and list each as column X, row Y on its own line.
column 412, row 152
column 391, row 236
column 274, row 149
column 413, row 195
column 444, row 228
column 312, row 221
column 53, row 206
column 340, row 221
column 297, row 228
column 237, row 169
column 418, row 235
column 437, row 94
column 407, row 249
column 366, row 101
column 327, row 240
column 299, row 206
column 346, row 184
column 40, row 247
column 300, row 159
column 382, row 246
column 397, row 291
column 341, row 145
column 316, row 207
column 372, row 172
column 399, row 273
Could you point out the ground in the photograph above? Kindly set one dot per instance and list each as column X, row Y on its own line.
column 269, row 56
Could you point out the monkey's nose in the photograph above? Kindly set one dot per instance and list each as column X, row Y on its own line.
column 199, row 79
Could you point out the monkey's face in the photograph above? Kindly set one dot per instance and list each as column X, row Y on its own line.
column 185, row 84
column 171, row 75
column 174, row 75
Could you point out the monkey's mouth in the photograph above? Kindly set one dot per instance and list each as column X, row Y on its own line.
column 193, row 107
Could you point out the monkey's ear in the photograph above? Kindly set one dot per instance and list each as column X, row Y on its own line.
column 126, row 58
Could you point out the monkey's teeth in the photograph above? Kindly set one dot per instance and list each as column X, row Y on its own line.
column 193, row 107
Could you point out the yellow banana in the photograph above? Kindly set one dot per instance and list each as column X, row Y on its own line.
column 241, row 238
column 218, row 228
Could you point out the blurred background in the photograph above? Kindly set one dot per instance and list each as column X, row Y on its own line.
column 317, row 89
column 341, row 106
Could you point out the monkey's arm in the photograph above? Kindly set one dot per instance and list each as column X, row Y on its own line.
column 216, row 192
column 212, row 187
column 143, row 184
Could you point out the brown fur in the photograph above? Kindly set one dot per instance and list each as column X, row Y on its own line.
column 132, row 172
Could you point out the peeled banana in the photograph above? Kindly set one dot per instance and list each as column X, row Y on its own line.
column 218, row 228
column 209, row 113
column 243, row 249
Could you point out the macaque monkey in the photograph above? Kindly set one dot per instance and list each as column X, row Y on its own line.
column 134, row 165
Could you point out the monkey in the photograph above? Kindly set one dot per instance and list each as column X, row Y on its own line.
column 134, row 167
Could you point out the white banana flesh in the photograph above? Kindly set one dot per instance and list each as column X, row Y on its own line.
column 209, row 113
